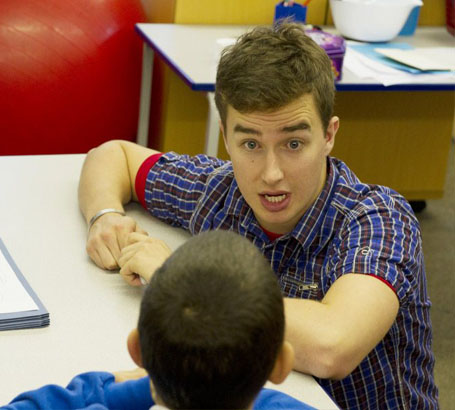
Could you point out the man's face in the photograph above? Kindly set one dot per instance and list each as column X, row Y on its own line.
column 279, row 160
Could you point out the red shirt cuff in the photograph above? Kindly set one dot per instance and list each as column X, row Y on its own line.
column 384, row 281
column 141, row 177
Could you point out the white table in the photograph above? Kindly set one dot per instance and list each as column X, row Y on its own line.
column 91, row 311
column 193, row 51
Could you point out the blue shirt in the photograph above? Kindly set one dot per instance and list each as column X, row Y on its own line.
column 98, row 391
column 351, row 227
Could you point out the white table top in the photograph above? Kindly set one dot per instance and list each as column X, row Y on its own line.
column 91, row 311
column 193, row 52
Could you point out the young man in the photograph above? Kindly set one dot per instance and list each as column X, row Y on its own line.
column 347, row 255
column 210, row 333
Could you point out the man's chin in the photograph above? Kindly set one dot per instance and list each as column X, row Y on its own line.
column 276, row 225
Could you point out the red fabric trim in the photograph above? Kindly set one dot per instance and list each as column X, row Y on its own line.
column 141, row 176
column 384, row 281
column 272, row 235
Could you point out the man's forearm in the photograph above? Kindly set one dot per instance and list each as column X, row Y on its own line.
column 309, row 333
column 105, row 180
column 332, row 337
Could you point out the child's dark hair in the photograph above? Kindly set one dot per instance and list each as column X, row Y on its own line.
column 211, row 323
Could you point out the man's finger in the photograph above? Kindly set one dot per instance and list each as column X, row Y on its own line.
column 125, row 375
column 135, row 237
column 141, row 231
column 112, row 246
column 130, row 248
column 127, row 254
column 130, row 276
column 122, row 237
column 107, row 259
column 95, row 257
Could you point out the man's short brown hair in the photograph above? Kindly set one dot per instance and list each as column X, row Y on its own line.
column 269, row 67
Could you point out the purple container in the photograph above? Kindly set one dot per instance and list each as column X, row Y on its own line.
column 334, row 46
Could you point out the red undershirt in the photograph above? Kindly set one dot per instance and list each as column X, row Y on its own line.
column 141, row 177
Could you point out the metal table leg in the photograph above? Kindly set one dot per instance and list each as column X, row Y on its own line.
column 144, row 102
column 212, row 132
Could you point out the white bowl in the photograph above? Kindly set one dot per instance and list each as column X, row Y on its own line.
column 371, row 20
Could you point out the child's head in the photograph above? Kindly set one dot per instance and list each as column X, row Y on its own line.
column 211, row 325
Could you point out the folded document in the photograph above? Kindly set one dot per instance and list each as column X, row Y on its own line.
column 368, row 64
column 20, row 307
column 424, row 59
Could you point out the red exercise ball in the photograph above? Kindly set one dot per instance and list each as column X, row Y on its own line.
column 69, row 74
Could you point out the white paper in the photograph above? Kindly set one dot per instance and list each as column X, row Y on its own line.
column 13, row 296
column 425, row 58
column 367, row 68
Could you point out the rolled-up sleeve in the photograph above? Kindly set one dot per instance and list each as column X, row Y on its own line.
column 174, row 185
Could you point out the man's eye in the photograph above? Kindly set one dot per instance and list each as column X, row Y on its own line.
column 250, row 145
column 294, row 144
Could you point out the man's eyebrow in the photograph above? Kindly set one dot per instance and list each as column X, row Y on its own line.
column 297, row 127
column 246, row 130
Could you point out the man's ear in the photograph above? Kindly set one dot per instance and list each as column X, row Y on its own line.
column 134, row 347
column 283, row 363
column 223, row 133
column 332, row 129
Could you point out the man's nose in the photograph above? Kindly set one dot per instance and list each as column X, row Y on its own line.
column 272, row 172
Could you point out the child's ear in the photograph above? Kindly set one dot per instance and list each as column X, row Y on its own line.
column 283, row 363
column 134, row 347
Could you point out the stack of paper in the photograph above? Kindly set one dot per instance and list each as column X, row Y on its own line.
column 424, row 59
column 20, row 308
column 374, row 62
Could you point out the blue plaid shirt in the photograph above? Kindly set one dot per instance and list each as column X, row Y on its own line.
column 351, row 227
